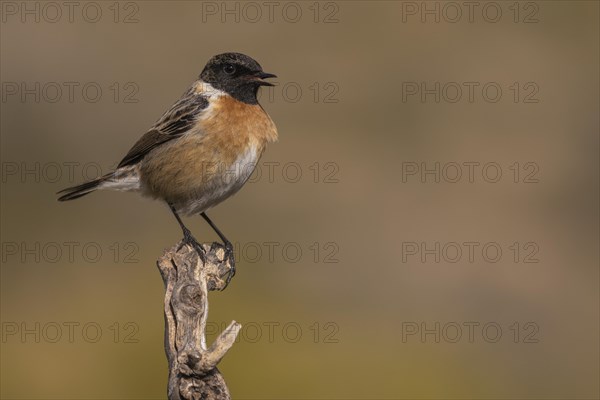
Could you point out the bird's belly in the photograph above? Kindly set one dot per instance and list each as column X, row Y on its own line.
column 218, row 182
column 194, row 177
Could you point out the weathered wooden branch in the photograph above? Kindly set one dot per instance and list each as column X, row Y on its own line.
column 193, row 372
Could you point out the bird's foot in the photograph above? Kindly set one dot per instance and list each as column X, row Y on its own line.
column 229, row 256
column 188, row 238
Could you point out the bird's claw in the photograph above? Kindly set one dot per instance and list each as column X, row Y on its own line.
column 188, row 238
column 229, row 256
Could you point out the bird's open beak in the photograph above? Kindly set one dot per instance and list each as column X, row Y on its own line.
column 260, row 76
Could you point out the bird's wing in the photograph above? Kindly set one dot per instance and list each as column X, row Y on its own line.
column 174, row 123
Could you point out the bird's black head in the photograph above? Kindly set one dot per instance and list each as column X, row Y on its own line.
column 236, row 74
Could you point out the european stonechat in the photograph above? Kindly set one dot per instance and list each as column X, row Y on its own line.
column 203, row 149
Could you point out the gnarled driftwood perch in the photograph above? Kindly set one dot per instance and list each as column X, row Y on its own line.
column 193, row 372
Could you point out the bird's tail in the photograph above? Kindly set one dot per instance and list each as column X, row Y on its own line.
column 78, row 191
column 125, row 178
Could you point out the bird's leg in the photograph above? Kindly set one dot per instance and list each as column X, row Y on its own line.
column 228, row 247
column 188, row 238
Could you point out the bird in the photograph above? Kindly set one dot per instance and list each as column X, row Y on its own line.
column 202, row 150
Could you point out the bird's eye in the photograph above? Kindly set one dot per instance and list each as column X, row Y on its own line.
column 229, row 69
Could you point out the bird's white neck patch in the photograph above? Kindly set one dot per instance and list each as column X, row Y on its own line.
column 207, row 90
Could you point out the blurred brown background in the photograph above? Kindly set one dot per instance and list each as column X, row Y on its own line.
column 338, row 286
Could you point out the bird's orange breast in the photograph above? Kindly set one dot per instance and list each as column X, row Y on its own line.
column 232, row 126
column 193, row 166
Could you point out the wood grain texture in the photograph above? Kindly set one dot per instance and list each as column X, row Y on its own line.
column 193, row 372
